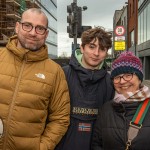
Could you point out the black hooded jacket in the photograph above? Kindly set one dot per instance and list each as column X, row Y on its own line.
column 89, row 89
column 111, row 127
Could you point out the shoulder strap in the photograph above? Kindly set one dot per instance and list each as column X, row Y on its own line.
column 136, row 123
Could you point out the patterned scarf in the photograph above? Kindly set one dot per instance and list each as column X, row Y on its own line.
column 140, row 95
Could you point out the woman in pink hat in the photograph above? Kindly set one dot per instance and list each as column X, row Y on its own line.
column 124, row 123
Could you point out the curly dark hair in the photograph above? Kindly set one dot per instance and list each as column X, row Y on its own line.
column 99, row 33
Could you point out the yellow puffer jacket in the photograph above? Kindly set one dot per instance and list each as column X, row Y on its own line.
column 34, row 99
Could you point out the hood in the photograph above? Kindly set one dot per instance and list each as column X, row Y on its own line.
column 79, row 55
column 87, row 76
column 25, row 53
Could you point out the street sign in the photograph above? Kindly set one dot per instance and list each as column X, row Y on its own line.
column 119, row 45
column 119, row 38
column 119, row 30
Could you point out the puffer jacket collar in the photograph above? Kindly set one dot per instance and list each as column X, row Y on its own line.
column 25, row 53
column 87, row 76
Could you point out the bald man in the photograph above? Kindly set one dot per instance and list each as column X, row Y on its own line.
column 34, row 99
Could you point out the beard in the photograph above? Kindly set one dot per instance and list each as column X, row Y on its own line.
column 32, row 46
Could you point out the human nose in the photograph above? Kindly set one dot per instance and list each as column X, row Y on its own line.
column 96, row 51
column 33, row 32
column 122, row 80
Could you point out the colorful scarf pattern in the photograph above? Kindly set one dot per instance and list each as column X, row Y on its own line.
column 140, row 95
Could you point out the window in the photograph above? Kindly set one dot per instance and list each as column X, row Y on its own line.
column 142, row 26
column 132, row 38
column 148, row 22
column 139, row 29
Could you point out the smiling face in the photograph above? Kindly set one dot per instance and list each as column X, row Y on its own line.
column 31, row 40
column 93, row 55
column 123, row 86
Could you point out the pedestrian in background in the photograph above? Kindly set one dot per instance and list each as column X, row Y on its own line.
column 124, row 123
column 89, row 85
column 34, row 97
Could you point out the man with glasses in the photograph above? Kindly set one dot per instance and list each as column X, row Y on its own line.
column 28, row 27
column 34, row 98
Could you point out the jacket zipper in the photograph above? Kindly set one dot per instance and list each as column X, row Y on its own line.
column 12, row 105
column 91, row 78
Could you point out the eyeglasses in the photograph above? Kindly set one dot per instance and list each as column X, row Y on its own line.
column 126, row 77
column 28, row 27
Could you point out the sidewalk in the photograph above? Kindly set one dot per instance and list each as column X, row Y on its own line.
column 147, row 83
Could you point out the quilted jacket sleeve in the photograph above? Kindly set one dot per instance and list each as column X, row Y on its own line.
column 59, row 113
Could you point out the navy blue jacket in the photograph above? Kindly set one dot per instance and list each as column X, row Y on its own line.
column 89, row 89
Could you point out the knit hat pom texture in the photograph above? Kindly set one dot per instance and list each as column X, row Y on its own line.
column 127, row 62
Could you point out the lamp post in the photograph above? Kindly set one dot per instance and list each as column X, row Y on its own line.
column 78, row 22
column 76, row 25
column 74, row 19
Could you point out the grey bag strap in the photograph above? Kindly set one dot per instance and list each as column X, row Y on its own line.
column 132, row 133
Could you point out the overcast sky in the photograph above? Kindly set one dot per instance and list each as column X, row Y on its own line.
column 99, row 13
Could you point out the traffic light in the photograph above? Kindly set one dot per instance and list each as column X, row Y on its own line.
column 74, row 19
column 79, row 21
column 82, row 29
column 71, row 20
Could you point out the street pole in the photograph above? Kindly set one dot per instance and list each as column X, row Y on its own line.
column 76, row 25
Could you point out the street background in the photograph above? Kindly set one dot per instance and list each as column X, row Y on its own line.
column 147, row 83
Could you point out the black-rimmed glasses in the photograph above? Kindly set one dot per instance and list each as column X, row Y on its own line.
column 28, row 27
column 126, row 77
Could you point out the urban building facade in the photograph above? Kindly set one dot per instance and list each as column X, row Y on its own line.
column 50, row 9
column 137, row 27
column 143, row 43
column 11, row 10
